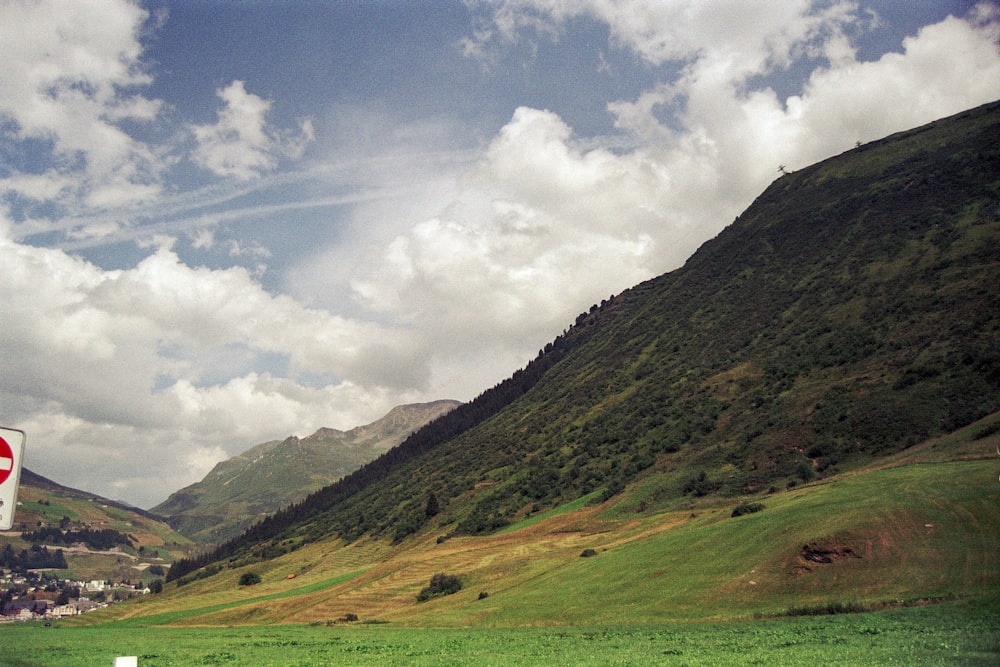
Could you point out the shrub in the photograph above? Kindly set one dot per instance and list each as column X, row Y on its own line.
column 700, row 485
column 829, row 608
column 747, row 508
column 805, row 472
column 987, row 431
column 441, row 584
column 249, row 579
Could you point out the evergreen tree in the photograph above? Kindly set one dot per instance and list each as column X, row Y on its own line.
column 432, row 508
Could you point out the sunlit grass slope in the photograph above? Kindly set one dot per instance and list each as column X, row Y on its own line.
column 922, row 527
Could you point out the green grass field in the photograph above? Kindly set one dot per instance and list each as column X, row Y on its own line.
column 954, row 633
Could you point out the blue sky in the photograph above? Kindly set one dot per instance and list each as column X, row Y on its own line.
column 227, row 222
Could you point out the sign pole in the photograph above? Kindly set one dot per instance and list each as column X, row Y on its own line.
column 11, row 457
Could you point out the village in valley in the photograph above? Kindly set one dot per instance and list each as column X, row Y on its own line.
column 35, row 595
column 53, row 566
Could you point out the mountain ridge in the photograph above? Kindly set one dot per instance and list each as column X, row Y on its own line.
column 262, row 479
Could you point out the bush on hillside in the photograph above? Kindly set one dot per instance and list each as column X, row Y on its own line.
column 249, row 579
column 441, row 584
column 747, row 508
column 700, row 485
column 987, row 431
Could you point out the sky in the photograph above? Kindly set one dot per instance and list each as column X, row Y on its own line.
column 223, row 222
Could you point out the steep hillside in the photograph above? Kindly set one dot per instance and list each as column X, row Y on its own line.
column 850, row 312
column 273, row 474
column 916, row 528
column 44, row 505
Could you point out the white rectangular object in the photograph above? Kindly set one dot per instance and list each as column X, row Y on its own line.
column 11, row 457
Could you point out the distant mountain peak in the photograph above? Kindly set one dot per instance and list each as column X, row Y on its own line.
column 272, row 474
column 324, row 433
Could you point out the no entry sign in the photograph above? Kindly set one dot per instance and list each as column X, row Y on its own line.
column 11, row 456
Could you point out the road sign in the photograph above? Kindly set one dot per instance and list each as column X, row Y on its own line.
column 11, row 456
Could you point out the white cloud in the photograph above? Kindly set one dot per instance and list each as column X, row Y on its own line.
column 727, row 132
column 742, row 135
column 239, row 144
column 944, row 69
column 110, row 365
column 67, row 82
column 203, row 239
column 739, row 37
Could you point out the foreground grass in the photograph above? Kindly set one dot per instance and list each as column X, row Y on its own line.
column 964, row 632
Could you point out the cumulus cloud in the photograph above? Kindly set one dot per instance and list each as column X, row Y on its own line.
column 945, row 68
column 239, row 144
column 727, row 131
column 738, row 37
column 68, row 82
column 540, row 226
column 741, row 134
column 114, row 363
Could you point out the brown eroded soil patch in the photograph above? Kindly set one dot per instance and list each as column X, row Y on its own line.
column 811, row 555
column 818, row 554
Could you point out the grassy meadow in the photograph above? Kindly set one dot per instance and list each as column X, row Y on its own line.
column 956, row 633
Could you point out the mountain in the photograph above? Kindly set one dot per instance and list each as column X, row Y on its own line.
column 143, row 540
column 849, row 313
column 259, row 481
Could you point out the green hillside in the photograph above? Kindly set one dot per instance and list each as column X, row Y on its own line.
column 265, row 478
column 914, row 529
column 45, row 505
column 804, row 419
column 850, row 312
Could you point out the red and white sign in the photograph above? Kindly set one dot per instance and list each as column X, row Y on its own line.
column 6, row 460
column 11, row 455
